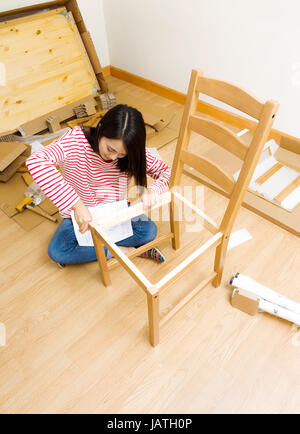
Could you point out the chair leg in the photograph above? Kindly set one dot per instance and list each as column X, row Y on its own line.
column 102, row 261
column 153, row 318
column 221, row 251
column 174, row 223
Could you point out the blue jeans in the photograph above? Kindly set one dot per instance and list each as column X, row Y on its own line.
column 64, row 248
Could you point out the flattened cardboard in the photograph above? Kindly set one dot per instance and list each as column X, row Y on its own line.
column 12, row 168
column 151, row 115
column 12, row 193
column 161, row 120
column 150, row 132
column 162, row 138
column 9, row 151
column 66, row 112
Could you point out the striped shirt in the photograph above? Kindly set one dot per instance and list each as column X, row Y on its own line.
column 84, row 174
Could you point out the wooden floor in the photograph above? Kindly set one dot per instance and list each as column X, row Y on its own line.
column 74, row 346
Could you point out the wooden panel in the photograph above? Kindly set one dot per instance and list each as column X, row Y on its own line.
column 207, row 168
column 46, row 67
column 265, row 176
column 219, row 134
column 232, row 95
column 184, row 132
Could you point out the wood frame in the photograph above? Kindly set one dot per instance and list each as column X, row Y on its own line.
column 153, row 291
column 49, row 76
column 238, row 98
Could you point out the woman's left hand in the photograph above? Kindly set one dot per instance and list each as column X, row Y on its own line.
column 149, row 199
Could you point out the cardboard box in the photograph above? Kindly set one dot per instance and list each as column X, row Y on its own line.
column 9, row 151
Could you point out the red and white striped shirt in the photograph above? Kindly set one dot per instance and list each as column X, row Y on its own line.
column 85, row 175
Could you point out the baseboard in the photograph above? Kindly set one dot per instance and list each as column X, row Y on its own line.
column 106, row 71
column 286, row 141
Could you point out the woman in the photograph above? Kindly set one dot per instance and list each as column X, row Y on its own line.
column 97, row 165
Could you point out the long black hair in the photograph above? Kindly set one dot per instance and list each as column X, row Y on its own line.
column 127, row 124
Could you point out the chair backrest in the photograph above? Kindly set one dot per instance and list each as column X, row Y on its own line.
column 235, row 97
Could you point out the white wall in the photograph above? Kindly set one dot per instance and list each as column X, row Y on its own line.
column 252, row 43
column 92, row 13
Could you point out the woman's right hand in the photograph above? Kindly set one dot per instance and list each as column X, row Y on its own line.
column 82, row 216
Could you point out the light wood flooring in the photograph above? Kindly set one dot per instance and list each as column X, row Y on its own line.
column 74, row 346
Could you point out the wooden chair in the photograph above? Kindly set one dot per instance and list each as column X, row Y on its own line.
column 192, row 121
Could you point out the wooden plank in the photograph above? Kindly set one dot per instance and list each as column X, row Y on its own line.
column 265, row 176
column 219, row 134
column 255, row 149
column 102, row 262
column 208, row 169
column 184, row 132
column 288, row 190
column 230, row 94
column 153, row 318
column 47, row 67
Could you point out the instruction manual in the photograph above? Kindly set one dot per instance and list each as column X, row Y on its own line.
column 116, row 233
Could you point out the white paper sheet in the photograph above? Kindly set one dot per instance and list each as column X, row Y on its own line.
column 116, row 233
column 292, row 199
column 238, row 237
